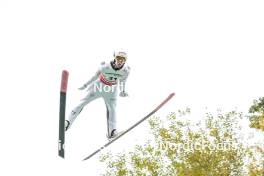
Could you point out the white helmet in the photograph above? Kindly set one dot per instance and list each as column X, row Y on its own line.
column 120, row 54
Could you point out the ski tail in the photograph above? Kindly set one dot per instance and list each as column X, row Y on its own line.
column 63, row 91
column 133, row 126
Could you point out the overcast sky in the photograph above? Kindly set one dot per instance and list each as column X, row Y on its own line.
column 210, row 53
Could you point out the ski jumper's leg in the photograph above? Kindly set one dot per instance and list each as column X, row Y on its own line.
column 92, row 95
column 110, row 102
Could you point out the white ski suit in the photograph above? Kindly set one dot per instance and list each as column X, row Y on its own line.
column 104, row 84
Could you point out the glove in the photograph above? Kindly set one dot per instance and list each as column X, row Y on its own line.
column 83, row 87
column 123, row 94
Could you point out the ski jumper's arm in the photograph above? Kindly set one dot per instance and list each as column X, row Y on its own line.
column 122, row 81
column 94, row 78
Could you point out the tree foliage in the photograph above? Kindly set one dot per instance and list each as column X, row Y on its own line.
column 211, row 148
column 256, row 153
column 256, row 161
column 257, row 114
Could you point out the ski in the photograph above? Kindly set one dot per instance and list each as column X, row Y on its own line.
column 63, row 91
column 129, row 129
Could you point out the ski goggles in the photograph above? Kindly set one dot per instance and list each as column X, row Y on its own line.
column 120, row 59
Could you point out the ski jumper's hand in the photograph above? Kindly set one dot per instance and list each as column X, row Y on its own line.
column 83, row 87
column 90, row 81
column 123, row 94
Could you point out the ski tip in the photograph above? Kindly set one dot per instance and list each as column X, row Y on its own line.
column 64, row 80
column 86, row 158
column 172, row 94
column 65, row 72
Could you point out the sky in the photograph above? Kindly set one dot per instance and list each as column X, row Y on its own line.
column 210, row 53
